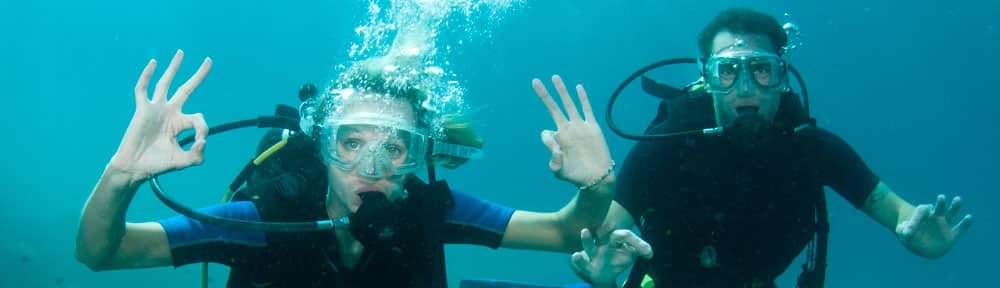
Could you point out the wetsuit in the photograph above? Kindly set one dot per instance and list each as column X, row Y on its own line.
column 259, row 259
column 717, row 216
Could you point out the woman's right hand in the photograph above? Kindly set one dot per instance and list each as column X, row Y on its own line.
column 150, row 147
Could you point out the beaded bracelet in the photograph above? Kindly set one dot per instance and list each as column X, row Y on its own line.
column 599, row 180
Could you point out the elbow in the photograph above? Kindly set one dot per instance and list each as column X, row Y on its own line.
column 91, row 259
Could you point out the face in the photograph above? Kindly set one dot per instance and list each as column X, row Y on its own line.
column 746, row 94
column 356, row 144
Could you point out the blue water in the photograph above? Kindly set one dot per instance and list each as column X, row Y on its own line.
column 911, row 86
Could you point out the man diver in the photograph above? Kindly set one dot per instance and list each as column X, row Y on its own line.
column 371, row 135
column 735, row 210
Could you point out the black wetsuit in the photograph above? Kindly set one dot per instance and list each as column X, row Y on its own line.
column 717, row 216
column 276, row 194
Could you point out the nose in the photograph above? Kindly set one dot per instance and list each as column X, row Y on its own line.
column 369, row 165
column 370, row 168
column 743, row 88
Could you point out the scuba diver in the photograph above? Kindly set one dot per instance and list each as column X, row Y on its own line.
column 727, row 182
column 339, row 204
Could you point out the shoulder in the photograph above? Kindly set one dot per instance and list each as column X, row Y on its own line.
column 812, row 135
column 824, row 145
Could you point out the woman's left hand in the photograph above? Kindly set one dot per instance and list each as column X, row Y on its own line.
column 579, row 152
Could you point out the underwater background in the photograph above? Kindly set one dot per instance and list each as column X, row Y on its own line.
column 911, row 85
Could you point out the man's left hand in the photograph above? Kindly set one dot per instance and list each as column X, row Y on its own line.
column 929, row 232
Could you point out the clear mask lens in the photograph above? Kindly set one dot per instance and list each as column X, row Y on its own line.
column 374, row 149
column 723, row 73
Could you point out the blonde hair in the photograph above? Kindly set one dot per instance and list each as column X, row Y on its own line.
column 457, row 130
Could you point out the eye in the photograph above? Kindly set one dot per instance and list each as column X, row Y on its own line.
column 351, row 144
column 728, row 70
column 394, row 150
column 762, row 73
column 761, row 69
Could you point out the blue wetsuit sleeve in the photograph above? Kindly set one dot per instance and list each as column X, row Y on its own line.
column 476, row 221
column 192, row 241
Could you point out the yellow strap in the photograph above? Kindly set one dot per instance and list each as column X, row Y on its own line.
column 647, row 282
column 204, row 275
column 227, row 196
column 269, row 151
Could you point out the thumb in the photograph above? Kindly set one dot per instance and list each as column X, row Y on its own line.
column 580, row 263
column 548, row 138
column 907, row 229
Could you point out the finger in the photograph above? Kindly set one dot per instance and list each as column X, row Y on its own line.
column 160, row 93
column 196, row 155
column 962, row 226
column 587, row 240
column 954, row 208
column 642, row 248
column 192, row 83
column 581, row 261
column 585, row 103
column 619, row 240
column 567, row 100
column 557, row 115
column 141, row 92
column 939, row 206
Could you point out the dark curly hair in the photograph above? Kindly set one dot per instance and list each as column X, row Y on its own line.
column 742, row 21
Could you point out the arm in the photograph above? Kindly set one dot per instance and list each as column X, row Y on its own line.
column 925, row 230
column 149, row 147
column 580, row 156
column 105, row 241
column 886, row 208
column 559, row 231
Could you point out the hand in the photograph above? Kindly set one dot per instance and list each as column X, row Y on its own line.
column 579, row 152
column 149, row 146
column 601, row 264
column 928, row 232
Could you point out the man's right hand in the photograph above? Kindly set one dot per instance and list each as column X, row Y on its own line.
column 150, row 146
column 600, row 264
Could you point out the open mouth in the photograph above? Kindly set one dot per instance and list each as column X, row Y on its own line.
column 366, row 189
column 746, row 109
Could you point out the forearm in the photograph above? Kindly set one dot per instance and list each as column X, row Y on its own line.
column 887, row 208
column 102, row 223
column 588, row 210
column 560, row 231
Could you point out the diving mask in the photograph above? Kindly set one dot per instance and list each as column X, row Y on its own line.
column 375, row 144
column 726, row 70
